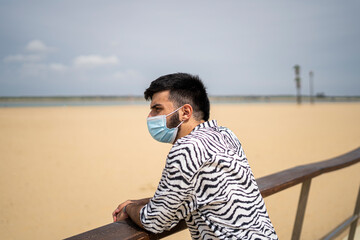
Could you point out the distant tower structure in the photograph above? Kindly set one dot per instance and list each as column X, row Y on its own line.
column 311, row 79
column 298, row 85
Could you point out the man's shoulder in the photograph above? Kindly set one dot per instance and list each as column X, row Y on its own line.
column 190, row 152
column 196, row 139
column 188, row 144
column 203, row 142
column 227, row 131
column 202, row 136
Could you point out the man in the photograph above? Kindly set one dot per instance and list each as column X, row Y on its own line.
column 206, row 180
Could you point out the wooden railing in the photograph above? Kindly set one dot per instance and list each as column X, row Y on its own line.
column 268, row 185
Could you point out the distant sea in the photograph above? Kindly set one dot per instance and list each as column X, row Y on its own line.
column 60, row 101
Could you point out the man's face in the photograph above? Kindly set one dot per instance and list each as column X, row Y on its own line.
column 161, row 105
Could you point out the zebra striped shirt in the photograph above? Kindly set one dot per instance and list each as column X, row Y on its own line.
column 208, row 182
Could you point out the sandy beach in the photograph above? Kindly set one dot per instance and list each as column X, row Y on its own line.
column 65, row 169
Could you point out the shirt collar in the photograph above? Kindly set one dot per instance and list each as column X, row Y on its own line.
column 208, row 124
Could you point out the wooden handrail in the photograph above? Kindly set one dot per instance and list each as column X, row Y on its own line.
column 268, row 185
column 276, row 182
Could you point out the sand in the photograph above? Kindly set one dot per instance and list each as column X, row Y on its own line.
column 65, row 169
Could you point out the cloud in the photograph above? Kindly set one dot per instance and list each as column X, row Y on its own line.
column 95, row 60
column 38, row 69
column 129, row 81
column 129, row 75
column 33, row 69
column 24, row 58
column 38, row 52
column 38, row 46
column 58, row 67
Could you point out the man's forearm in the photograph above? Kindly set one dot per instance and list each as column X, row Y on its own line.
column 133, row 210
column 143, row 201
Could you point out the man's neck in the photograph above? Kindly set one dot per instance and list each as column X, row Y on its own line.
column 187, row 127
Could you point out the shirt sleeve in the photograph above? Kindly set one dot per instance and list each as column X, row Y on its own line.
column 173, row 199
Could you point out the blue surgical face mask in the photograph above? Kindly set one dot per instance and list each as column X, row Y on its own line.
column 158, row 129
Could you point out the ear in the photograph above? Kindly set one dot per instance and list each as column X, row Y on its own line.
column 186, row 112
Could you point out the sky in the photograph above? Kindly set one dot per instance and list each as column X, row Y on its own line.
column 112, row 47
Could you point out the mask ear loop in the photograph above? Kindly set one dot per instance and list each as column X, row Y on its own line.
column 180, row 124
column 174, row 111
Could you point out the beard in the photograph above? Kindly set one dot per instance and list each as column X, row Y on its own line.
column 174, row 121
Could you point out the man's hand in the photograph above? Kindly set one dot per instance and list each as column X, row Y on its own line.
column 119, row 213
column 133, row 208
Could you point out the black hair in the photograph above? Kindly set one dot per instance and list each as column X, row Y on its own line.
column 184, row 89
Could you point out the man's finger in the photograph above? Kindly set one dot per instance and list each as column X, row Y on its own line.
column 116, row 211
column 119, row 209
column 122, row 216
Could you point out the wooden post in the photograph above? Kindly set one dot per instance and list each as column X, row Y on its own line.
column 356, row 213
column 301, row 210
